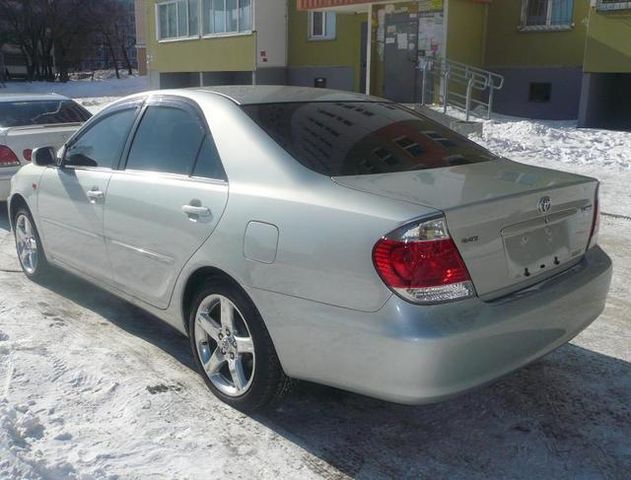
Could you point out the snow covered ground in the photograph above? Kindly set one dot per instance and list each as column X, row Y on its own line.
column 93, row 388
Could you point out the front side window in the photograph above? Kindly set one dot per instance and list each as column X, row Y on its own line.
column 19, row 114
column 322, row 25
column 102, row 143
column 178, row 19
column 360, row 138
column 167, row 140
column 226, row 16
column 547, row 13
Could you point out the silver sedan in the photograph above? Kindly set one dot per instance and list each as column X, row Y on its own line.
column 318, row 235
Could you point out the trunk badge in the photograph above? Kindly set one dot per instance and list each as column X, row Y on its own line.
column 544, row 204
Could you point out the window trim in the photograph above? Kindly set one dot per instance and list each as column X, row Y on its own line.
column 324, row 37
column 177, row 38
column 232, row 33
column 201, row 23
column 187, row 105
column 549, row 26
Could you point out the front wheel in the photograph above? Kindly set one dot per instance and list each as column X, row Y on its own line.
column 29, row 246
column 233, row 350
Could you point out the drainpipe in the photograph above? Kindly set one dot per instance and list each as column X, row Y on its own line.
column 485, row 27
column 369, row 49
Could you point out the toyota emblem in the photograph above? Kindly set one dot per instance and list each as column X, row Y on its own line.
column 544, row 204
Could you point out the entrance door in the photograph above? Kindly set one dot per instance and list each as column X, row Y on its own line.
column 400, row 58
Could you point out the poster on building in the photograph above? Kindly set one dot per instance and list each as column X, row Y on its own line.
column 431, row 35
column 431, row 5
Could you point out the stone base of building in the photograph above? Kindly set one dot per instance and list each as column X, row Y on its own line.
column 542, row 93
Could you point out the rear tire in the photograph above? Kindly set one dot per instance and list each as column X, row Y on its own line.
column 232, row 348
column 29, row 246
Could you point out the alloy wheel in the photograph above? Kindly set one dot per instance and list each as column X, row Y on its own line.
column 26, row 242
column 224, row 345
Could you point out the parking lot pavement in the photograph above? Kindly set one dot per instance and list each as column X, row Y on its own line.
column 90, row 385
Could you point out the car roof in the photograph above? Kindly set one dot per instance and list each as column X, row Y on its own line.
column 259, row 94
column 30, row 97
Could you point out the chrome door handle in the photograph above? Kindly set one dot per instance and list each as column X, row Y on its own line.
column 95, row 195
column 195, row 210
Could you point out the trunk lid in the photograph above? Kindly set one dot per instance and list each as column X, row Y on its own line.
column 29, row 137
column 513, row 224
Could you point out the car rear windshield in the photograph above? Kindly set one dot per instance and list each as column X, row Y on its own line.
column 360, row 138
column 41, row 112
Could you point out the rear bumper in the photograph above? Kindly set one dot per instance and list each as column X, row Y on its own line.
column 5, row 181
column 419, row 354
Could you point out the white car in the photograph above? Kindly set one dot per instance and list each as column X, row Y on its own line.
column 29, row 121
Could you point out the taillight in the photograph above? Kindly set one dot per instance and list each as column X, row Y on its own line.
column 593, row 237
column 27, row 154
column 8, row 158
column 421, row 264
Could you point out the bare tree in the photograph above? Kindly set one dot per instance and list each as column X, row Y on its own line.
column 53, row 33
column 25, row 22
column 67, row 24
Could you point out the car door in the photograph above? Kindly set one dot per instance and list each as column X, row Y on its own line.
column 71, row 196
column 165, row 201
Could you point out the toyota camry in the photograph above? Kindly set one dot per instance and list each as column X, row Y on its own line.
column 320, row 235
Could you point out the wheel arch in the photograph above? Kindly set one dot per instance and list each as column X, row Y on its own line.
column 16, row 201
column 196, row 278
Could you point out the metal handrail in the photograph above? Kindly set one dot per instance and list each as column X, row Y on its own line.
column 451, row 72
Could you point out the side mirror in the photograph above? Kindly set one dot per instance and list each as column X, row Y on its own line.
column 44, row 156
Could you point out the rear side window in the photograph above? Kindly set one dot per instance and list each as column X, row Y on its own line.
column 167, row 140
column 357, row 138
column 208, row 163
column 18, row 114
column 102, row 143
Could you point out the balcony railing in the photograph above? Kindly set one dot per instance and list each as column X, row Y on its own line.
column 609, row 5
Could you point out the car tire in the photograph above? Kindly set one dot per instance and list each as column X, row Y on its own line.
column 234, row 352
column 29, row 246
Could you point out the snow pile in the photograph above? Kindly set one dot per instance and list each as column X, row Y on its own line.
column 102, row 75
column 558, row 142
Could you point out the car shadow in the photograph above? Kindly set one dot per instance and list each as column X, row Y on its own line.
column 4, row 217
column 566, row 416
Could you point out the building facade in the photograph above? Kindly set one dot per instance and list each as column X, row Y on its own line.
column 561, row 59
column 211, row 42
column 538, row 45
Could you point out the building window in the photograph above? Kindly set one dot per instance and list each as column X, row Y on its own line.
column 321, row 25
column 226, row 16
column 177, row 19
column 547, row 14
column 540, row 92
column 614, row 5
